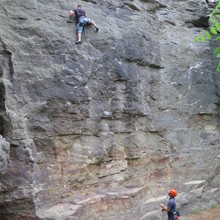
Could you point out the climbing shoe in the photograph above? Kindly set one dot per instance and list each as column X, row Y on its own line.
column 96, row 29
column 78, row 42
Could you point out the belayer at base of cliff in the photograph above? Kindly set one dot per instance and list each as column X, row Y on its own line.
column 173, row 214
column 81, row 21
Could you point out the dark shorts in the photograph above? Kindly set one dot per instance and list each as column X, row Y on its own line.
column 82, row 22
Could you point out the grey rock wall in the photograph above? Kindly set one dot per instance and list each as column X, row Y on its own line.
column 4, row 155
column 102, row 130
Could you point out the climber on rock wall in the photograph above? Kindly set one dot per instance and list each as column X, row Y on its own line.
column 81, row 21
column 171, row 205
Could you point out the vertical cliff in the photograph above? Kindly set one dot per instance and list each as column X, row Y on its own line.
column 98, row 130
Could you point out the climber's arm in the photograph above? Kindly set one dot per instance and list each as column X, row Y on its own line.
column 164, row 208
column 72, row 13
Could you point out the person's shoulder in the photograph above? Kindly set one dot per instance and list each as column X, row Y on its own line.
column 173, row 200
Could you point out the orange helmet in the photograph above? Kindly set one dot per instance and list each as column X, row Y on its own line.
column 173, row 192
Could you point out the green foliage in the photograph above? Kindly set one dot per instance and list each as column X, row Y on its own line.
column 197, row 211
column 208, row 35
column 203, row 38
column 218, row 67
column 217, row 26
column 214, row 206
column 213, row 30
column 216, row 51
column 197, row 39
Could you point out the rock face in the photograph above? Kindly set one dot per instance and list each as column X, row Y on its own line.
column 102, row 130
column 4, row 155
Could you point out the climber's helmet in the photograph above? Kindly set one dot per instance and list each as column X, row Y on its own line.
column 172, row 192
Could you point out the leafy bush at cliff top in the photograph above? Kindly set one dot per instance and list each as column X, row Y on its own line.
column 214, row 31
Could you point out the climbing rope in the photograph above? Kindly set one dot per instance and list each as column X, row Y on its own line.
column 93, row 64
column 101, row 89
column 155, row 199
column 108, row 106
